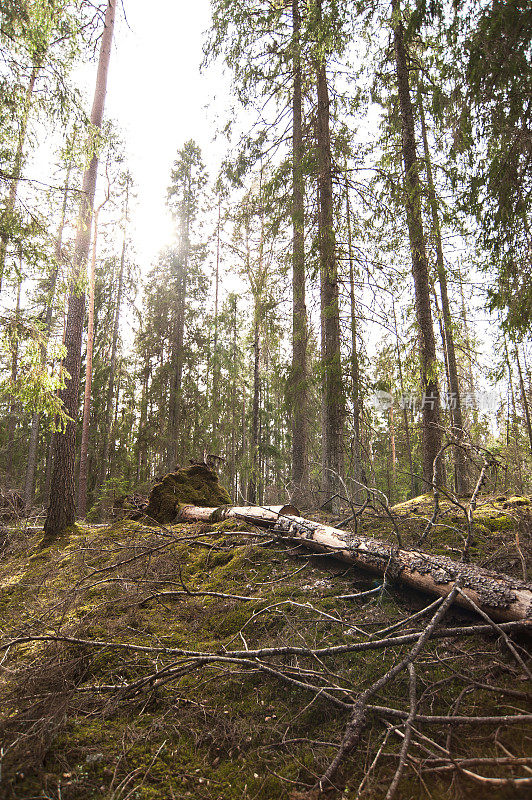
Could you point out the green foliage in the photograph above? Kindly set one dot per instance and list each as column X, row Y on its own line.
column 188, row 178
column 32, row 387
column 112, row 488
column 499, row 81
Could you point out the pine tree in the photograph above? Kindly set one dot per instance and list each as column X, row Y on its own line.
column 333, row 400
column 299, row 376
column 420, row 271
column 62, row 509
column 108, row 424
column 461, row 484
column 184, row 196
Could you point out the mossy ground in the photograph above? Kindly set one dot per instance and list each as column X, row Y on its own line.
column 228, row 731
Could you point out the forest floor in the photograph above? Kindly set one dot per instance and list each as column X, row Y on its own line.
column 126, row 672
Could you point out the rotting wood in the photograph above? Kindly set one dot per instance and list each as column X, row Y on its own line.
column 500, row 596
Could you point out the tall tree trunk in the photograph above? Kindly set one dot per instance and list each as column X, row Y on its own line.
column 84, row 449
column 31, row 467
column 524, row 398
column 468, row 341
column 62, row 509
column 255, row 405
column 215, row 356
column 333, row 407
column 460, row 466
column 441, row 329
column 359, row 472
column 413, row 482
column 142, row 455
column 114, row 426
column 413, row 202
column 392, row 446
column 108, row 423
column 51, row 444
column 17, row 167
column 48, row 468
column 31, row 464
column 242, row 476
column 233, row 473
column 527, row 374
column 174, row 402
column 174, row 443
column 442, row 337
column 515, row 427
column 299, row 377
column 13, row 416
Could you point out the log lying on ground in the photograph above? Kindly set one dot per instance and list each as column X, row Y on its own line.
column 264, row 517
column 500, row 596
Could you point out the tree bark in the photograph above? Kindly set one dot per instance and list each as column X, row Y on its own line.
column 82, row 481
column 469, row 339
column 142, row 445
column 233, row 472
column 460, row 467
column 215, row 356
column 62, row 509
column 500, row 596
column 524, row 398
column 255, row 406
column 330, row 316
column 13, row 416
column 51, row 443
column 299, row 377
column 515, row 427
column 413, row 201
column 108, row 423
column 393, row 456
column 174, row 401
column 413, row 483
column 359, row 472
column 174, row 448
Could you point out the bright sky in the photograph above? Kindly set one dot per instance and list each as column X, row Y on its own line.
column 159, row 99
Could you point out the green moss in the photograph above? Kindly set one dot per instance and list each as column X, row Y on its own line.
column 209, row 733
column 417, row 505
column 515, row 501
column 227, row 525
column 502, row 522
column 197, row 485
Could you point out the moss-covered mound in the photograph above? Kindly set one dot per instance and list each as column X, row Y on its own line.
column 197, row 486
column 125, row 671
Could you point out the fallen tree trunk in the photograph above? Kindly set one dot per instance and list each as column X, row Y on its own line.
column 264, row 517
column 500, row 596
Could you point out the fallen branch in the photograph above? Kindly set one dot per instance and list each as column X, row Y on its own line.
column 452, row 719
column 262, row 652
column 499, row 596
column 390, row 794
column 358, row 717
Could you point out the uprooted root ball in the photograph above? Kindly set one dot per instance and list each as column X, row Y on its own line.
column 197, row 485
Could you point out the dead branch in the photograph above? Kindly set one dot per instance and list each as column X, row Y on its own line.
column 390, row 794
column 358, row 717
